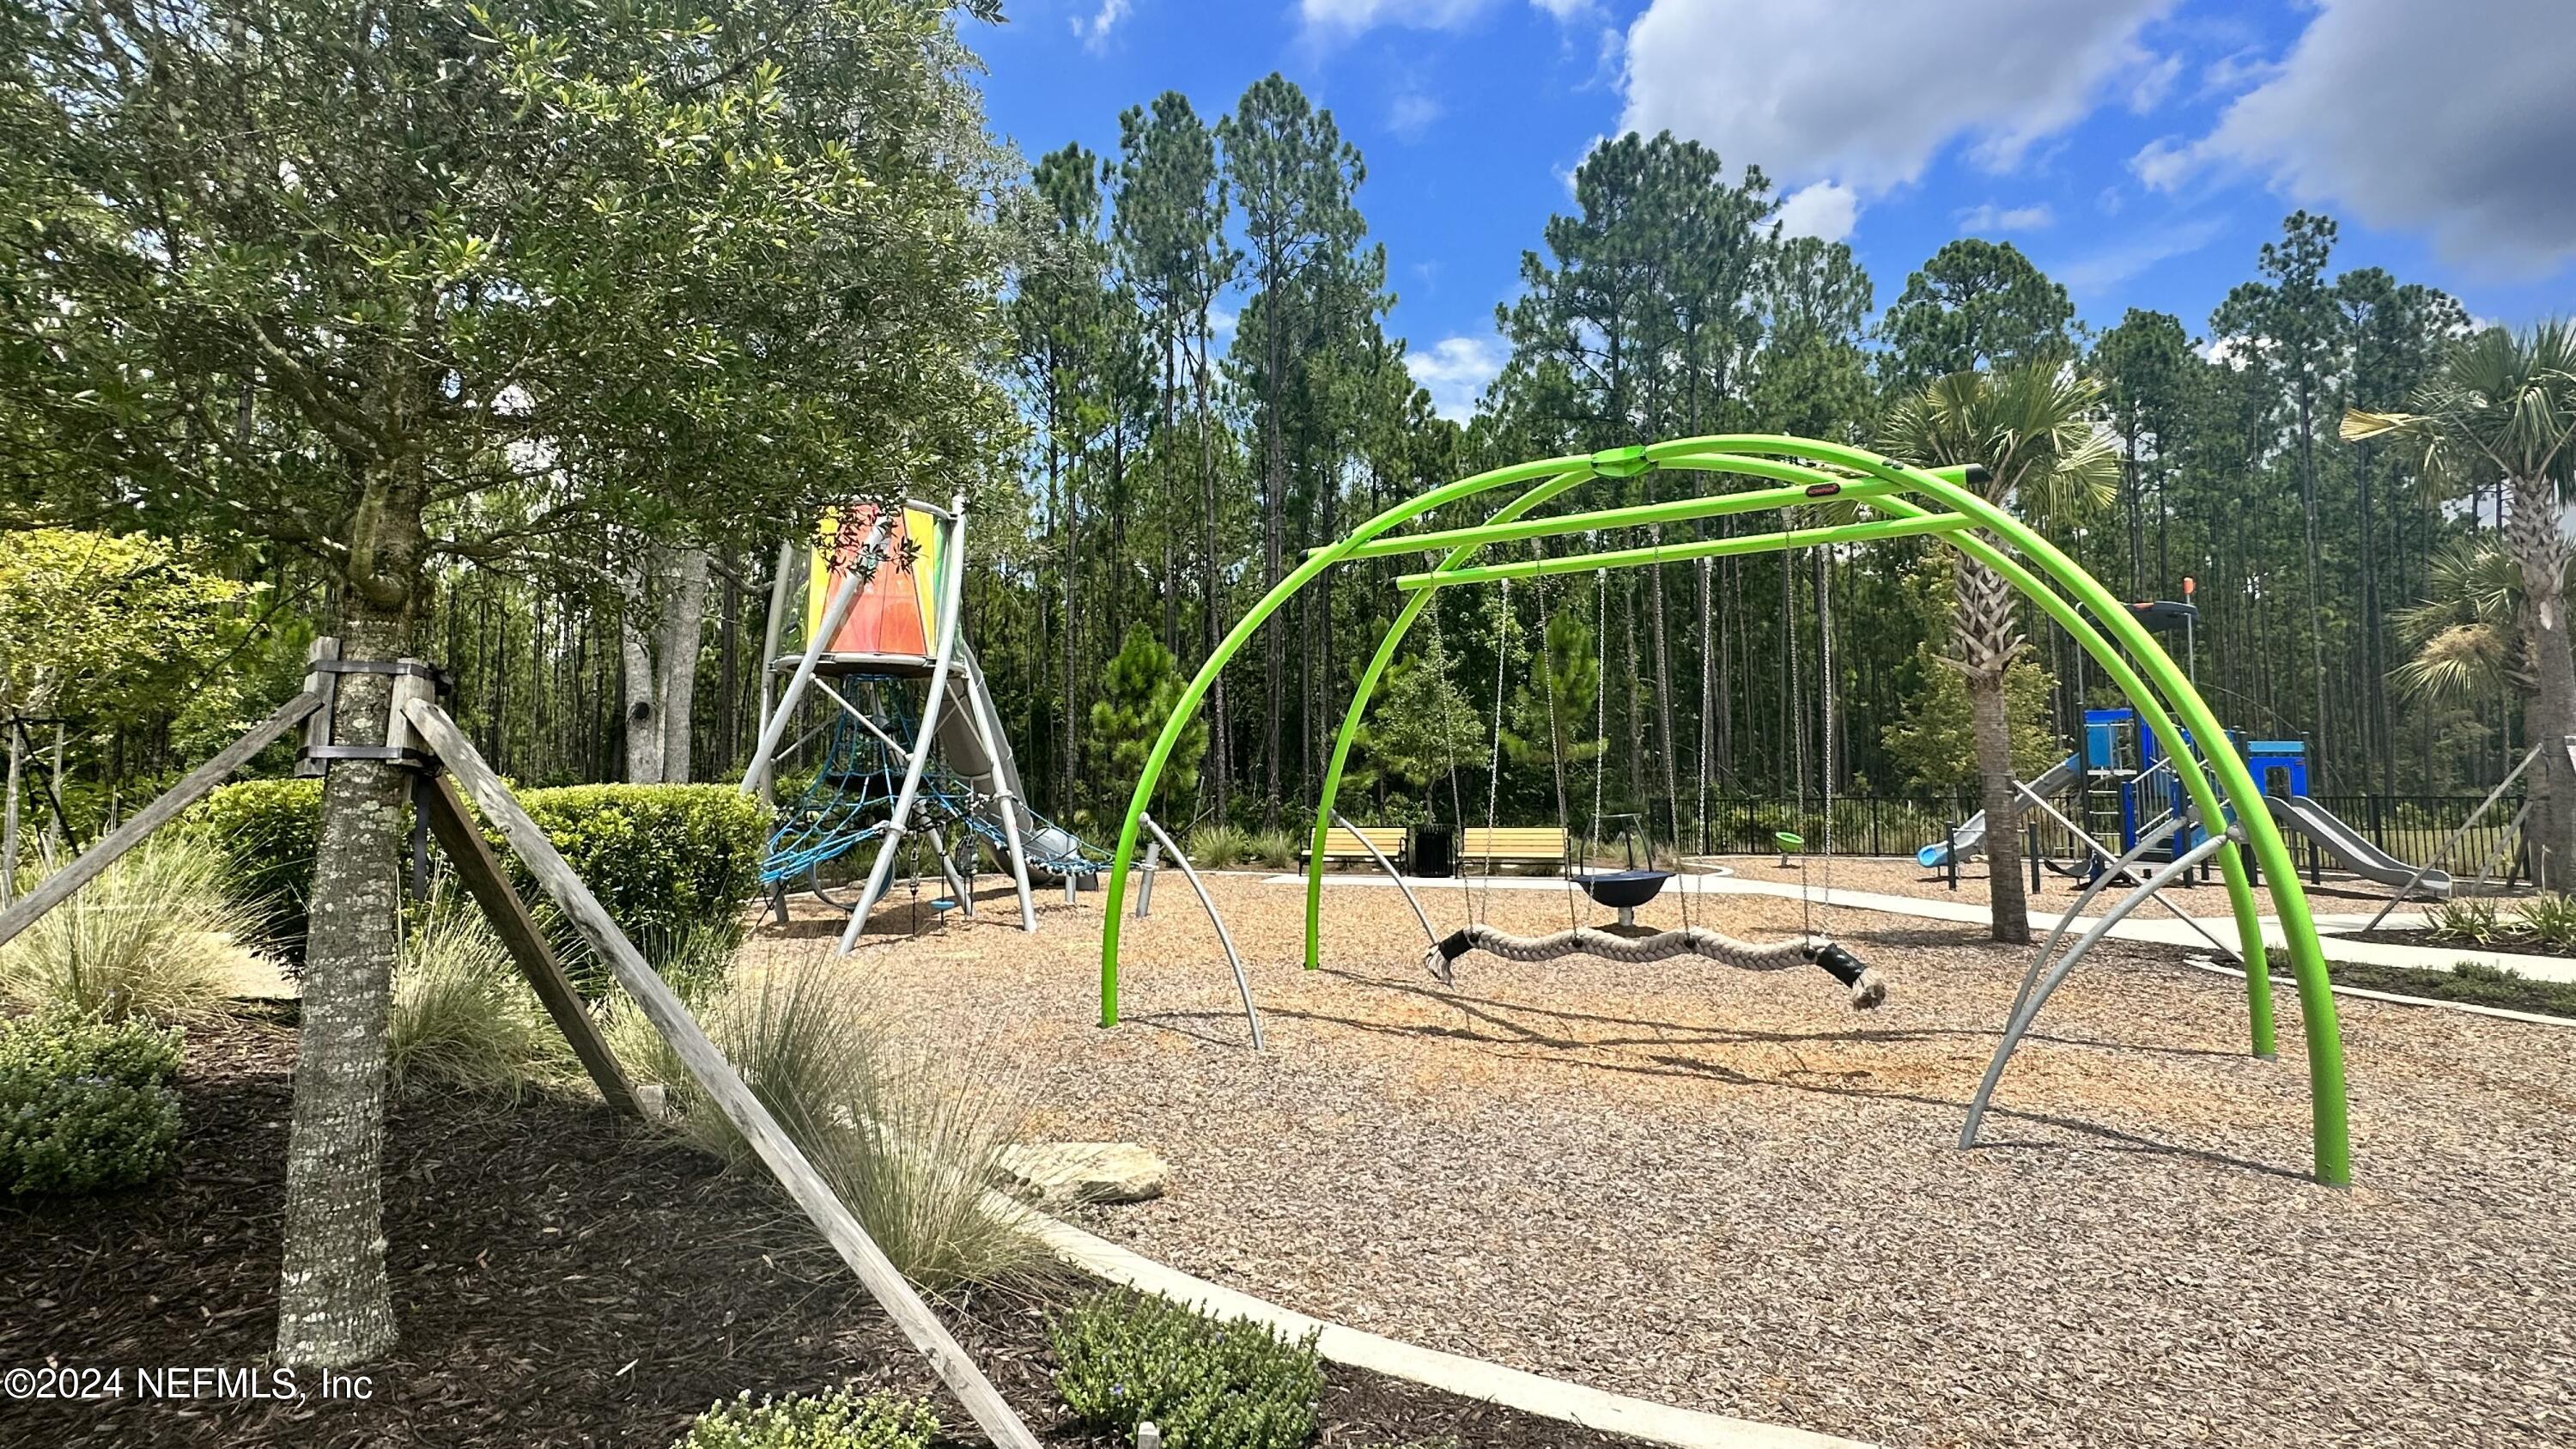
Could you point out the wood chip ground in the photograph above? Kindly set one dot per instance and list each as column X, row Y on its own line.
column 1729, row 1192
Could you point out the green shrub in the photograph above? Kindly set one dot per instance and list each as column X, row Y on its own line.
column 1277, row 849
column 661, row 858
column 463, row 1016
column 2549, row 918
column 1124, row 1358
column 908, row 1138
column 2470, row 920
column 85, row 1105
column 156, row 936
column 830, row 1421
column 265, row 830
column 1216, row 847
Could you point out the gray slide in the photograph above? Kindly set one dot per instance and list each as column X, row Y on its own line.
column 1970, row 842
column 990, row 767
column 2351, row 849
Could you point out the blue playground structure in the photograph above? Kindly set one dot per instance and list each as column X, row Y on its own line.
column 2123, row 786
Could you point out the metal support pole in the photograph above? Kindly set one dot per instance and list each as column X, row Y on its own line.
column 1145, row 887
column 834, row 612
column 1391, row 874
column 772, row 633
column 1225, row 938
column 2029, row 1013
column 2453, row 842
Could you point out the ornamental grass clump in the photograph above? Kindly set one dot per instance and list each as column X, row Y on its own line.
column 1276, row 849
column 1206, row 1383
column 839, row 1420
column 1217, row 847
column 909, row 1140
column 463, row 1016
column 157, row 937
column 85, row 1105
column 2470, row 920
column 2548, row 918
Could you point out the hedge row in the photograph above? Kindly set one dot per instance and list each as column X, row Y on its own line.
column 662, row 858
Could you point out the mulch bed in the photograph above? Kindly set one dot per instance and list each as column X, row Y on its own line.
column 561, row 1276
column 2508, row 945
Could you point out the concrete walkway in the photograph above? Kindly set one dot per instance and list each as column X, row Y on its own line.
column 2147, row 925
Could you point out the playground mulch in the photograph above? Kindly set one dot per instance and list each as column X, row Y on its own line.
column 561, row 1277
column 1727, row 1191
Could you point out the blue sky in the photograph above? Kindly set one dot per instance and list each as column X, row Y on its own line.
column 2139, row 150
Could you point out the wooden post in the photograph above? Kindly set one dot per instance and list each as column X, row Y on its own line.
column 187, row 792
column 723, row 1084
column 480, row 872
column 324, row 686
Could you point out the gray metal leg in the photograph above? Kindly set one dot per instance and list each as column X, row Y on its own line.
column 1225, row 938
column 1145, row 883
column 1392, row 874
column 2117, row 869
column 2028, row 1012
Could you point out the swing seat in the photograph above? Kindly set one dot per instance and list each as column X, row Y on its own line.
column 1623, row 890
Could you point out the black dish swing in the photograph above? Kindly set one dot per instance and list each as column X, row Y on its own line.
column 1629, row 887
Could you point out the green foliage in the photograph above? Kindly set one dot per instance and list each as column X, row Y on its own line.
column 2549, row 917
column 102, row 624
column 463, row 1016
column 1138, row 694
column 156, row 937
column 265, row 830
column 1552, row 712
column 1932, row 743
column 1277, row 849
column 1208, row 1384
column 85, row 1105
column 1421, row 726
column 838, row 1420
column 658, row 857
column 666, row 860
column 1217, row 847
column 1975, row 305
column 2465, row 919
column 908, row 1138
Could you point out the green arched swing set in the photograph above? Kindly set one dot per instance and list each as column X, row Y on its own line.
column 1903, row 501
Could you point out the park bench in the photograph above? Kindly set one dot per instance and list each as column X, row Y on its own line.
column 1345, row 844
column 1511, row 845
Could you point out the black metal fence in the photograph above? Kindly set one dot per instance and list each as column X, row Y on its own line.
column 2408, row 827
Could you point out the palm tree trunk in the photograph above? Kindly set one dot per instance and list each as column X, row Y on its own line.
column 1986, row 642
column 2539, row 546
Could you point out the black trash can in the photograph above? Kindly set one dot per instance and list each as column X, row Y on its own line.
column 1434, row 852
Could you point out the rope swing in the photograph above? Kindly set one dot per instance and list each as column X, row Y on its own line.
column 1865, row 987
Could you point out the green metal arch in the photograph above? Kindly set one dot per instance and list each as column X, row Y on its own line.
column 1758, row 455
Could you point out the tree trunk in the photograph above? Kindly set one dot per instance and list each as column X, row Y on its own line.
column 9, row 819
column 333, row 1305
column 675, row 648
column 2537, row 538
column 1987, row 642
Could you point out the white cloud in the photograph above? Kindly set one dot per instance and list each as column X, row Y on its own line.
column 1822, row 209
column 1455, row 372
column 1093, row 31
column 1412, row 114
column 1566, row 11
column 2449, row 116
column 1990, row 217
column 2152, row 84
column 2164, row 163
column 1866, row 92
column 2115, row 264
column 1221, row 325
column 1349, row 17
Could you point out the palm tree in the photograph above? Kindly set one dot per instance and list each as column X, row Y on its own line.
column 2462, row 639
column 2504, row 404
column 2031, row 427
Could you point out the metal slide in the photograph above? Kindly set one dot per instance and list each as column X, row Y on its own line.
column 2350, row 848
column 1971, row 839
column 993, row 771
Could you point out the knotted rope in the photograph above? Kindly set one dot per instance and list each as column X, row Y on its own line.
column 1868, row 988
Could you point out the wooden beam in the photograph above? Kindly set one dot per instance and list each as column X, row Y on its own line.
column 722, row 1083
column 480, row 871
column 60, row 885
